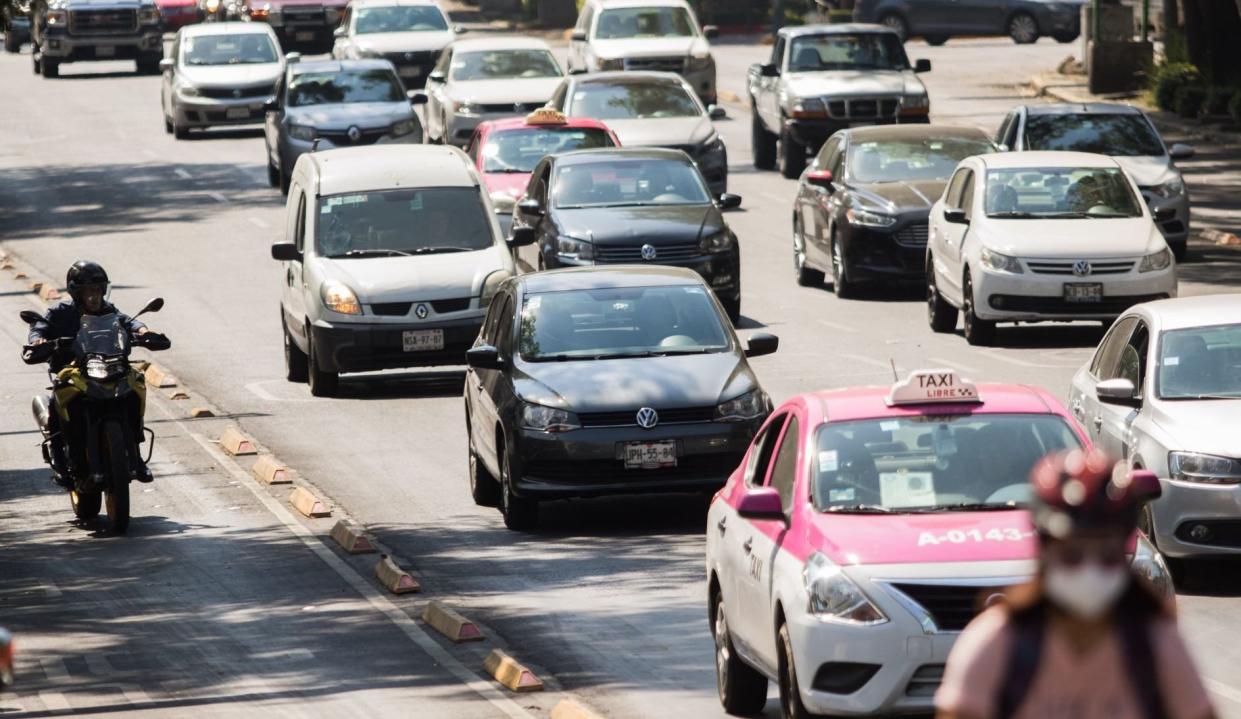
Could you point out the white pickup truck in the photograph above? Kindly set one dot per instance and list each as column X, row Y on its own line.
column 823, row 78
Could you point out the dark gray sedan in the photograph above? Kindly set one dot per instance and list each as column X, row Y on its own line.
column 587, row 382
column 937, row 20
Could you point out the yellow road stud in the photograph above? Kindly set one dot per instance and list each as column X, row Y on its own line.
column 352, row 538
column 304, row 501
column 237, row 444
column 269, row 470
column 451, row 624
column 514, row 676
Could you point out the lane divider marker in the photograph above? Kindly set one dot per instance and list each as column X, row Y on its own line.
column 201, row 413
column 573, row 709
column 176, row 394
column 510, row 673
column 304, row 501
column 268, row 470
column 352, row 538
column 47, row 293
column 158, row 377
column 395, row 579
column 451, row 624
column 236, row 444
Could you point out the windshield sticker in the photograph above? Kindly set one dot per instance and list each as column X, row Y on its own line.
column 416, row 203
column 827, row 461
column 841, row 495
column 533, row 303
column 1171, row 361
column 961, row 536
column 346, row 200
column 906, row 489
column 890, row 426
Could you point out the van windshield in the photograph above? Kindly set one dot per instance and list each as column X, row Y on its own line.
column 382, row 223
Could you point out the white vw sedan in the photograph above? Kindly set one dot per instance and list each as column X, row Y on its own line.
column 1039, row 236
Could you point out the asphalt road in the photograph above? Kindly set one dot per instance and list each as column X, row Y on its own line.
column 608, row 596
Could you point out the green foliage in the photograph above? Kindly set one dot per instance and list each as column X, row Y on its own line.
column 1169, row 78
column 1188, row 100
column 1234, row 107
column 1175, row 51
column 1217, row 99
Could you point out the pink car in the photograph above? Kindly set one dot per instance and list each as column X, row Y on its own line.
column 865, row 528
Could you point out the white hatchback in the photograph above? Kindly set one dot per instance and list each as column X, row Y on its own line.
column 1039, row 236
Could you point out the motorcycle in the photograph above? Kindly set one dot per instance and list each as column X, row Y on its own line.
column 112, row 398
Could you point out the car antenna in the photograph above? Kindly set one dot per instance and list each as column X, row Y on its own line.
column 895, row 377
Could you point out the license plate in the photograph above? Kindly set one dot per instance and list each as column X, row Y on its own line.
column 410, row 71
column 1083, row 292
column 237, row 113
column 304, row 36
column 650, row 455
column 422, row 340
column 105, row 51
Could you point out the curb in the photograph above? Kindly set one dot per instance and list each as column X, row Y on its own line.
column 352, row 538
column 451, row 624
column 510, row 673
column 236, row 444
column 304, row 501
column 395, row 579
column 268, row 470
column 572, row 709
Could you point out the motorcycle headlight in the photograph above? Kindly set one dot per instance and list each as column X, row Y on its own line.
column 809, row 108
column 96, row 368
column 751, row 405
column 611, row 63
column 302, row 132
column 149, row 16
column 993, row 260
column 547, row 419
column 339, row 298
column 491, row 285
column 1157, row 261
column 719, row 242
column 1204, row 468
column 835, row 597
column 571, row 248
column 57, row 18
column 1172, row 188
column 1148, row 564
column 403, row 127
column 868, row 218
column 466, row 108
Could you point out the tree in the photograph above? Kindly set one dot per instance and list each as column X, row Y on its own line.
column 1211, row 31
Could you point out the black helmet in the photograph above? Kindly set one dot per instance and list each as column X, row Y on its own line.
column 82, row 274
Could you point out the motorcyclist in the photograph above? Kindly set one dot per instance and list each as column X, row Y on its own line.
column 87, row 283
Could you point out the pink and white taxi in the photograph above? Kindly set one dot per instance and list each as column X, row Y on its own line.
column 865, row 528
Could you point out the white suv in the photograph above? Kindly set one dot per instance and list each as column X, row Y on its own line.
column 391, row 256
column 1037, row 236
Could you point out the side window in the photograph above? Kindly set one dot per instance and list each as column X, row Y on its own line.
column 777, row 52
column 558, row 98
column 1107, row 358
column 952, row 197
column 488, row 332
column 967, row 194
column 504, row 328
column 583, row 20
column 299, row 230
column 836, row 162
column 538, row 186
column 344, row 20
column 445, row 62
column 784, row 471
column 1010, row 138
column 472, row 148
column 1132, row 364
column 825, row 153
column 1000, row 137
column 760, row 455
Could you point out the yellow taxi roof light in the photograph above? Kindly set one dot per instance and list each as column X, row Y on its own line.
column 546, row 116
column 930, row 386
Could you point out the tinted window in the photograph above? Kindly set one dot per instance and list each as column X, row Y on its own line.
column 910, row 160
column 521, row 150
column 394, row 222
column 1105, row 360
column 644, row 22
column 504, row 64
column 1126, row 135
column 761, row 450
column 399, row 18
column 621, row 322
column 952, row 196
column 630, row 100
column 321, row 88
column 784, row 471
column 1133, row 358
column 629, row 183
column 864, row 51
column 1200, row 361
column 1034, row 192
column 247, row 49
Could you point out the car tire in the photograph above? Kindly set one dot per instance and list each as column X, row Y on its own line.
column 978, row 332
column 51, row 68
column 284, row 183
column 896, row 21
column 521, row 514
column 273, row 173
column 11, row 43
column 484, row 489
column 791, row 706
column 1065, row 37
column 179, row 131
column 935, row 40
column 1023, row 28
column 762, row 142
column 296, row 363
column 732, row 308
column 322, row 382
column 941, row 316
column 1180, row 251
column 742, row 689
column 842, row 286
column 167, row 125
column 792, row 156
column 806, row 275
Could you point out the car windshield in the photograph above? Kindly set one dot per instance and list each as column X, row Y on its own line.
column 632, row 100
column 628, row 183
column 346, row 86
column 1124, row 135
column 402, row 222
column 521, row 150
column 621, row 322
column 1200, row 363
column 399, row 18
column 911, row 159
column 1060, row 192
column 838, row 51
column 246, row 49
column 504, row 65
column 644, row 22
column 929, row 462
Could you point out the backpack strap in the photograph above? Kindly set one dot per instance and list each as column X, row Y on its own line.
column 1028, row 628
column 1135, row 642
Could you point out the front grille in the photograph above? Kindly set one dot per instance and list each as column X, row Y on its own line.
column 259, row 92
column 303, row 15
column 913, row 235
column 514, row 108
column 421, row 57
column 628, row 417
column 341, row 137
column 659, row 64
column 455, row 304
column 391, row 309
column 951, row 606
column 633, row 253
column 862, row 108
column 1058, row 306
column 103, row 22
column 586, row 473
column 1065, row 267
column 925, row 681
column 223, row 116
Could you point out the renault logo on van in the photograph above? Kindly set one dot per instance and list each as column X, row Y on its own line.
column 1082, row 268
column 421, row 311
column 648, row 252
column 354, row 133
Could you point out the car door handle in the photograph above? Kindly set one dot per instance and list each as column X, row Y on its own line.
column 720, row 524
column 749, row 543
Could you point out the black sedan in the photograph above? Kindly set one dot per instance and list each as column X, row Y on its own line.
column 862, row 205
column 625, row 205
column 607, row 381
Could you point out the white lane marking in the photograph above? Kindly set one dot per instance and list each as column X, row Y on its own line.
column 954, row 364
column 1013, row 360
column 868, row 360
column 257, row 389
column 362, row 586
column 54, row 669
column 55, row 702
column 257, row 221
column 183, row 174
column 836, row 326
column 772, row 197
column 217, row 197
column 1219, row 688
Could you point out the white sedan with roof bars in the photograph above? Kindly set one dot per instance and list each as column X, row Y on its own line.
column 1039, row 236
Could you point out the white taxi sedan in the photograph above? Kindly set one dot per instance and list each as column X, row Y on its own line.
column 861, row 534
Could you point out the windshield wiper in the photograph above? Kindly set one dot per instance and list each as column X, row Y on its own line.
column 370, row 253
column 859, row 509
column 1018, row 214
column 967, row 507
column 622, row 355
column 438, row 249
column 670, row 353
column 1205, row 396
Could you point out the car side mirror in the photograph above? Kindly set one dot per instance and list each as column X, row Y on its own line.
column 710, row 32
column 955, row 215
column 520, row 237
column 530, row 207
column 166, row 64
column 285, row 252
column 761, row 343
column 1163, row 214
column 484, row 357
column 820, row 178
column 1002, row 147
column 292, row 57
column 761, row 503
column 271, row 105
column 1118, row 392
column 577, row 36
column 729, row 201
column 1144, row 485
column 417, row 97
column 31, row 317
column 715, row 112
column 577, row 71
column 769, row 70
column 460, row 29
column 922, row 65
column 340, row 32
column 1181, row 151
column 155, row 305
column 436, row 76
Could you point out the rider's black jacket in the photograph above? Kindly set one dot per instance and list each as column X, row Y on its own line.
column 63, row 321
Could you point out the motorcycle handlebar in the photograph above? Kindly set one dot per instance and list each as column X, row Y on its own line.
column 44, row 351
column 154, row 341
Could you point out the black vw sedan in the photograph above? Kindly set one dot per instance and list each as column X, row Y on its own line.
column 862, row 204
column 606, row 381
column 622, row 205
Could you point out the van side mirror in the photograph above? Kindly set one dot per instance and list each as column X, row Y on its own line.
column 530, row 207
column 293, row 57
column 1118, row 392
column 31, row 317
column 761, row 343
column 271, row 105
column 285, row 252
column 1163, row 214
column 710, row 32
column 484, row 357
column 715, row 112
column 166, row 64
column 520, row 237
column 435, row 76
column 955, row 215
column 769, row 70
column 340, row 32
column 417, row 97
column 922, row 65
column 578, row 36
column 761, row 503
column 460, row 29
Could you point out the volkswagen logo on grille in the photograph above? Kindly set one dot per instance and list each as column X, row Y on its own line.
column 236, row 93
column 647, row 418
column 409, row 56
column 421, row 311
column 354, row 133
column 1082, row 268
column 648, row 252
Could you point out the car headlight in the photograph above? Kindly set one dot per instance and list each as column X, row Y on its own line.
column 1148, row 564
column 1172, row 188
column 96, row 368
column 56, row 18
column 868, row 218
column 491, row 285
column 911, row 102
column 571, row 248
column 1157, row 261
column 404, row 127
column 367, row 51
column 188, row 90
column 302, row 132
column 466, row 108
column 993, row 260
column 149, row 16
column 719, row 242
column 699, row 61
column 339, row 298
column 547, row 419
column 611, row 63
column 808, row 108
column 748, row 406
column 835, row 597
column 1204, row 468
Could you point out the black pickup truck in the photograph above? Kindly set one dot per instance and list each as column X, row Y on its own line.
column 85, row 30
column 15, row 22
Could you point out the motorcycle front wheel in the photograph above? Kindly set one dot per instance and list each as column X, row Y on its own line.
column 85, row 506
column 117, row 490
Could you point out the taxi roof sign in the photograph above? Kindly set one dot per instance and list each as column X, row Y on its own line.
column 931, row 386
column 546, row 116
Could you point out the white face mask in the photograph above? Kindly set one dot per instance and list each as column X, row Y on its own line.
column 1087, row 590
